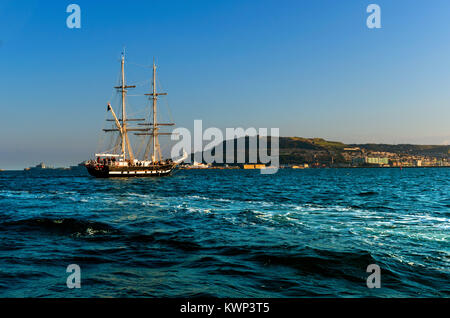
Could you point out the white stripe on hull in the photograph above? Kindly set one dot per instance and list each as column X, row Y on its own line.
column 138, row 172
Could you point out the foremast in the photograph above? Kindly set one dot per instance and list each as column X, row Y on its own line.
column 121, row 124
column 123, row 90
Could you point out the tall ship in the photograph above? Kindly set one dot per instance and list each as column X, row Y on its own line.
column 121, row 161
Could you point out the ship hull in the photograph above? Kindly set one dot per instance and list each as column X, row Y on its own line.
column 130, row 172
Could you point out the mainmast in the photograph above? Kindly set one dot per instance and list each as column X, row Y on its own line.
column 155, row 124
column 124, row 126
column 156, row 151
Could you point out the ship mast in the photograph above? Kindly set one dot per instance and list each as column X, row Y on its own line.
column 124, row 127
column 122, row 123
column 123, row 88
column 156, row 151
column 156, row 154
column 155, row 125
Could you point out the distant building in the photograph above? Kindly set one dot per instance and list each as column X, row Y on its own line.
column 352, row 149
column 358, row 161
column 377, row 160
column 254, row 166
column 303, row 166
column 199, row 165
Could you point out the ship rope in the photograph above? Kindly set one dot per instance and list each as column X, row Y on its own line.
column 102, row 139
column 141, row 145
column 165, row 100
column 142, row 83
column 164, row 147
column 140, row 65
column 147, row 148
column 111, row 150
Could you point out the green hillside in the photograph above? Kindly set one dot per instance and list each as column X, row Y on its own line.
column 298, row 150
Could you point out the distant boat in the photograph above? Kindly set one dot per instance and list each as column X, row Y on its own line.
column 40, row 166
column 43, row 166
column 122, row 162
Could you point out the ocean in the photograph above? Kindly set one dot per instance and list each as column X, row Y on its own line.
column 226, row 233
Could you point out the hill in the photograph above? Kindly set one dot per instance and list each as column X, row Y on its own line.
column 439, row 151
column 298, row 150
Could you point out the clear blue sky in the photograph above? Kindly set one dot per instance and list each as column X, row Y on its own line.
column 312, row 68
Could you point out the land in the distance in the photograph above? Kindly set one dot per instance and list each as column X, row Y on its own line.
column 298, row 152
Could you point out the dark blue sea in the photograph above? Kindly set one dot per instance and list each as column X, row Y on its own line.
column 227, row 233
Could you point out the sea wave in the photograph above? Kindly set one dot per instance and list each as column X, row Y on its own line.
column 227, row 234
column 63, row 226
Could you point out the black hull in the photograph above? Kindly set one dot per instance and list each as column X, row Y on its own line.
column 130, row 172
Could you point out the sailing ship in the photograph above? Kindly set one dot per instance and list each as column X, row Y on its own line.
column 123, row 163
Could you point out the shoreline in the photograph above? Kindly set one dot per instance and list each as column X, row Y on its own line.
column 238, row 168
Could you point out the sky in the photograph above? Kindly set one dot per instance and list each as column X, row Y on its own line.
column 309, row 67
